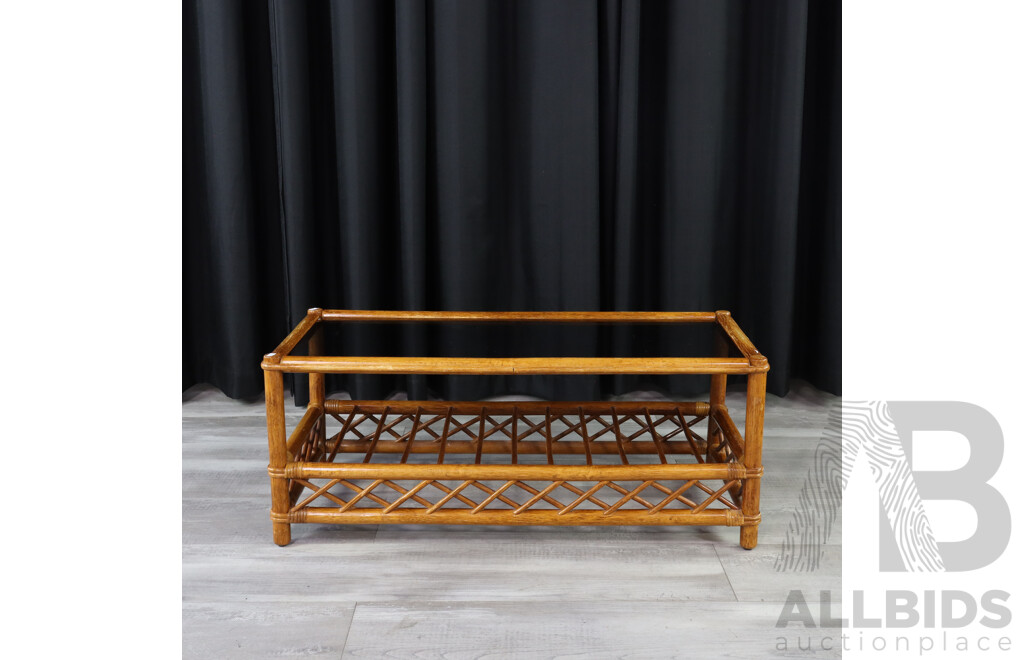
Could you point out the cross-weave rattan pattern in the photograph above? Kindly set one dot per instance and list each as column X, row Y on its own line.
column 430, row 495
column 371, row 431
column 376, row 434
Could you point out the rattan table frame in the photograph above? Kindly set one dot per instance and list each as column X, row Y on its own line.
column 305, row 471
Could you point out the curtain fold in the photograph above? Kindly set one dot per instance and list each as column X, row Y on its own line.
column 574, row 155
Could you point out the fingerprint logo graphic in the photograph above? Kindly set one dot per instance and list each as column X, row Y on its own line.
column 854, row 429
column 819, row 504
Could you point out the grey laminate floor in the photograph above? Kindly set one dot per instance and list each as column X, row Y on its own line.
column 470, row 592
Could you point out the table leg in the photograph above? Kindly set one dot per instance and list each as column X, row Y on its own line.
column 717, row 398
column 278, row 440
column 752, row 442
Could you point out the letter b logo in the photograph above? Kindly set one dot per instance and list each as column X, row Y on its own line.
column 967, row 484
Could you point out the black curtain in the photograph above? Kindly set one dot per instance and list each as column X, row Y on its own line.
column 517, row 155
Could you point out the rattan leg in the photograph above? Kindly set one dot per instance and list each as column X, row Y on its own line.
column 277, row 439
column 752, row 456
column 317, row 392
column 718, row 383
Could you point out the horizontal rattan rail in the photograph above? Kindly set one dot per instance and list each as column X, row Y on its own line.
column 516, row 462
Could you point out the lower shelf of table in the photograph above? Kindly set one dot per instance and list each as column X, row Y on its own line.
column 516, row 463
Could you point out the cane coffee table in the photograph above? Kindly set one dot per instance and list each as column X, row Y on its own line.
column 516, row 462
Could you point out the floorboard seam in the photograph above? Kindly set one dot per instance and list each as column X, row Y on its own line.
column 725, row 572
column 456, row 604
column 348, row 630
